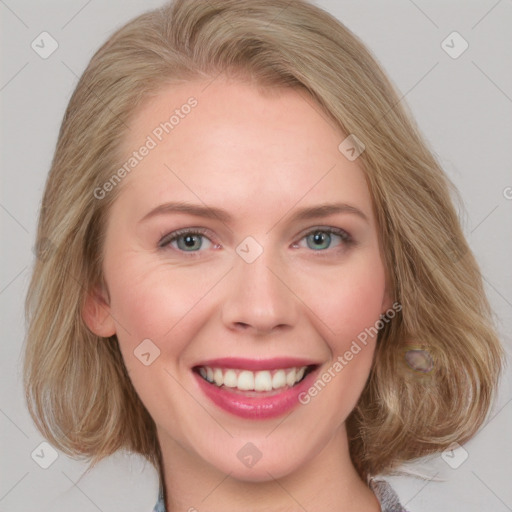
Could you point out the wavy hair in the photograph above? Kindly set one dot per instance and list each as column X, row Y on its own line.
column 77, row 388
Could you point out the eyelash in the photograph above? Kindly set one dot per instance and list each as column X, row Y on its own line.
column 346, row 238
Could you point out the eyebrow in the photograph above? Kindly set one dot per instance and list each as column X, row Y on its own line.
column 213, row 212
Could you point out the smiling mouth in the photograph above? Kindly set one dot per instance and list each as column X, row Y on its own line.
column 258, row 382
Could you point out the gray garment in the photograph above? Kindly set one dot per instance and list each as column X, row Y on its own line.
column 387, row 497
column 385, row 494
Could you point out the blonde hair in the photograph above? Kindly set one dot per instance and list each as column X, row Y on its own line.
column 77, row 388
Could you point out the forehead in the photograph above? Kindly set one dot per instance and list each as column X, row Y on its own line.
column 226, row 142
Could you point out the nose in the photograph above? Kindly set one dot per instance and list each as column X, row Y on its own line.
column 259, row 297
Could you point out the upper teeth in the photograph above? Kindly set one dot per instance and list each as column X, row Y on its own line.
column 246, row 380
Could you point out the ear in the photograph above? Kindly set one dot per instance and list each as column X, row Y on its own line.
column 96, row 312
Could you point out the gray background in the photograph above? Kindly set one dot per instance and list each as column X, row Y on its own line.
column 462, row 105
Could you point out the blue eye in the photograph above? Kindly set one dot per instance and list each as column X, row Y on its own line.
column 192, row 240
column 186, row 240
column 322, row 238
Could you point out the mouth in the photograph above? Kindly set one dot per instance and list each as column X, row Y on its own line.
column 255, row 389
column 259, row 382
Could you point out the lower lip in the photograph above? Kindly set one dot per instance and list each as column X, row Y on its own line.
column 254, row 407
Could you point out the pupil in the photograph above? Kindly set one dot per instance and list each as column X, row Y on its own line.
column 320, row 239
column 190, row 240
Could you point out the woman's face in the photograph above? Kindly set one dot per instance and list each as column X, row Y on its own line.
column 274, row 273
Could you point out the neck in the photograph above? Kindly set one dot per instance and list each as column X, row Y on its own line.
column 328, row 482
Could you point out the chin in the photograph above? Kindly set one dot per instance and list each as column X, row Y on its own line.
column 259, row 460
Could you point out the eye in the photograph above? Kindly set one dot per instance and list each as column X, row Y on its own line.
column 320, row 239
column 192, row 240
column 187, row 240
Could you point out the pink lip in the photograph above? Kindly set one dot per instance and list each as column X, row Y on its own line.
column 253, row 407
column 257, row 364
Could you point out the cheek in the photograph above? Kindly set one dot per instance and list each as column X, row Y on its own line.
column 141, row 310
column 348, row 307
column 151, row 301
column 148, row 299
column 346, row 315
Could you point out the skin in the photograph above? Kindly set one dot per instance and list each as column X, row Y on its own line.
column 261, row 157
